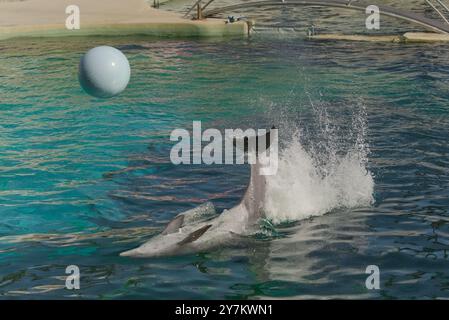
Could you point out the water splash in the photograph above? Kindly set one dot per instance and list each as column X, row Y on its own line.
column 321, row 170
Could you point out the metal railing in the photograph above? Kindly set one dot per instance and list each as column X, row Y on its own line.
column 432, row 24
column 435, row 8
column 199, row 8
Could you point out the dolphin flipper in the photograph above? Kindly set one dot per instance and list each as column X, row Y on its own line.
column 174, row 225
column 194, row 235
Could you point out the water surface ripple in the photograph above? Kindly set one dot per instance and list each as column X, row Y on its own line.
column 82, row 179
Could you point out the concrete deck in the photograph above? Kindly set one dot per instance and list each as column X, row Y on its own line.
column 405, row 38
column 349, row 37
column 425, row 37
column 46, row 18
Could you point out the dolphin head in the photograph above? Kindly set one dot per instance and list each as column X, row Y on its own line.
column 165, row 243
column 169, row 243
column 161, row 245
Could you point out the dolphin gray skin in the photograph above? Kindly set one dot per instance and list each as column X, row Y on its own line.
column 196, row 231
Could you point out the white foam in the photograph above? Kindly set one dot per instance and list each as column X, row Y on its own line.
column 311, row 182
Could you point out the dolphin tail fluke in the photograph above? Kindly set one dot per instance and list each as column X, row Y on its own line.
column 259, row 143
column 254, row 197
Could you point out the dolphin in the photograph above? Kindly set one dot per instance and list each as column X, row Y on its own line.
column 201, row 229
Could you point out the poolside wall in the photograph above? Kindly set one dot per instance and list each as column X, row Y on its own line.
column 166, row 30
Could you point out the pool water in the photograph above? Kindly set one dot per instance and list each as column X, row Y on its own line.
column 363, row 177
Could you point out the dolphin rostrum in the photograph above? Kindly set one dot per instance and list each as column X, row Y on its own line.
column 200, row 229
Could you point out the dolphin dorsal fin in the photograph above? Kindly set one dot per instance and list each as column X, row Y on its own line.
column 174, row 225
column 194, row 235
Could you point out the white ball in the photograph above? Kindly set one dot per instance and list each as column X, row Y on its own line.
column 104, row 72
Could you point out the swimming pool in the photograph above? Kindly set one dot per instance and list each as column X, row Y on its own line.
column 84, row 179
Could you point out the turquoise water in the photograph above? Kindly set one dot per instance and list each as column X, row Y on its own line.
column 84, row 179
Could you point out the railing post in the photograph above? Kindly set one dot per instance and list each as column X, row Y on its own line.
column 192, row 7
column 199, row 12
